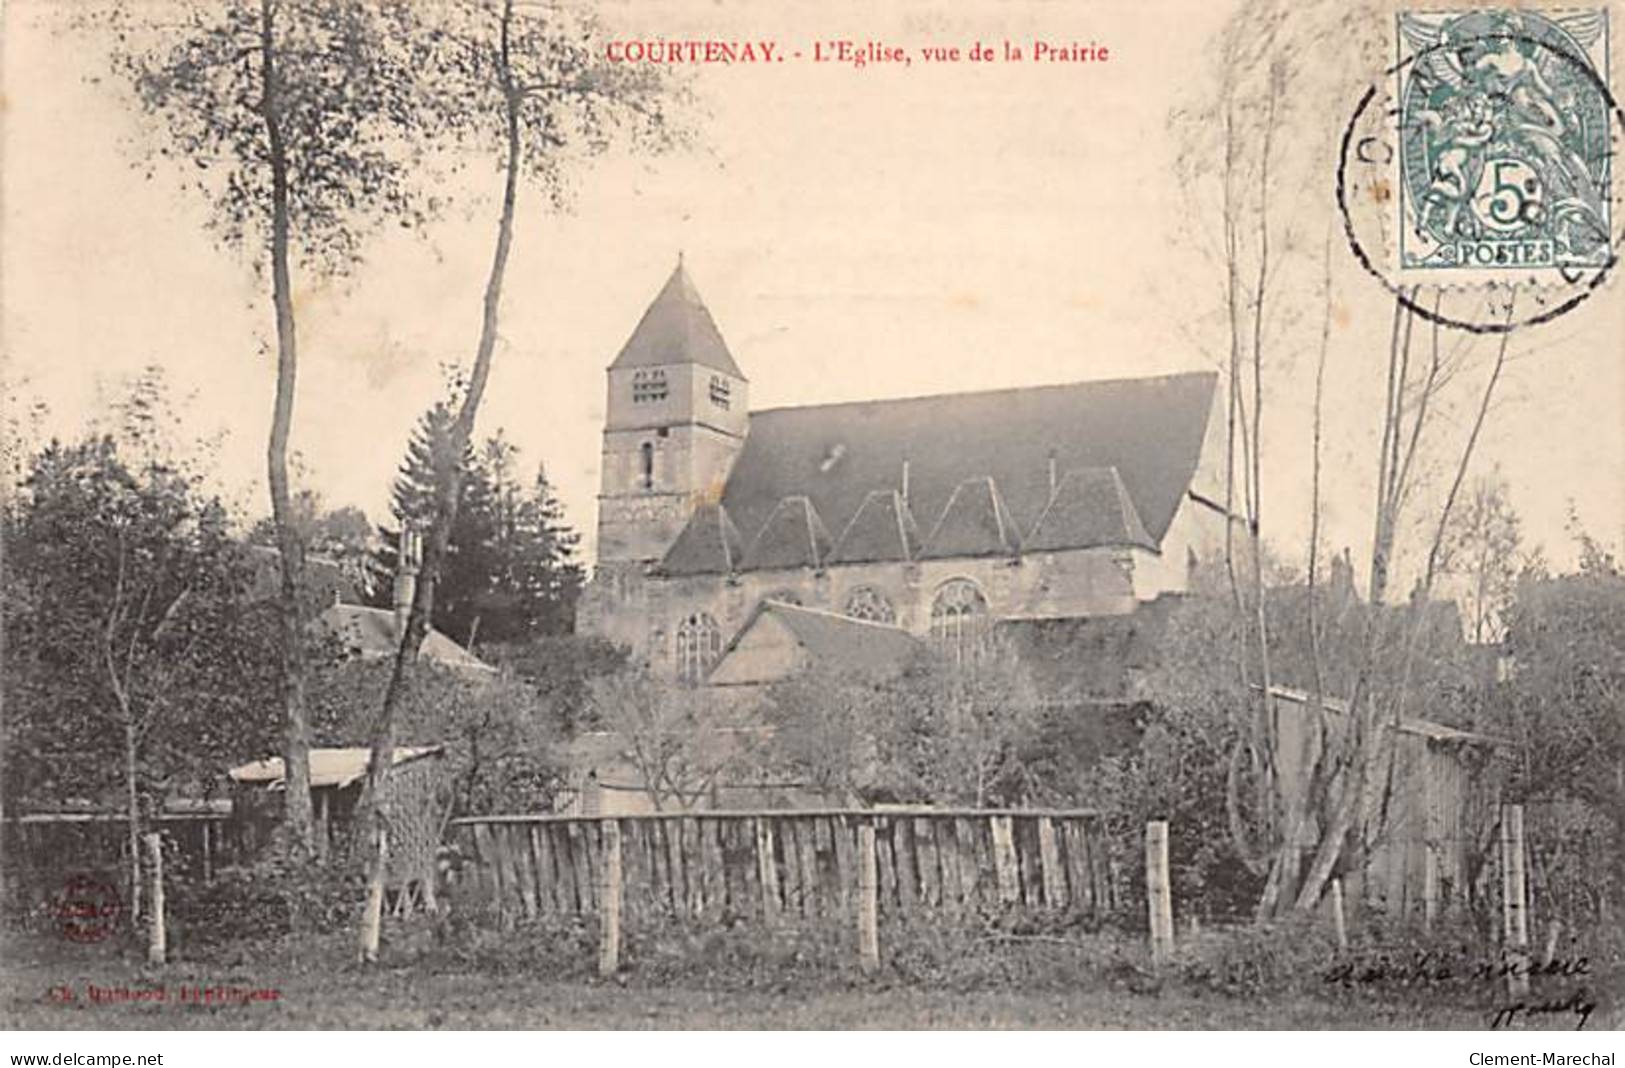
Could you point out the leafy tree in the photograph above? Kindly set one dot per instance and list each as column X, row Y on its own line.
column 295, row 121
column 509, row 573
column 1564, row 702
column 131, row 667
column 1481, row 545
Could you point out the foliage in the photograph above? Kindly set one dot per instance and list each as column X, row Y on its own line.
column 124, row 627
column 679, row 742
column 1252, row 961
column 510, row 572
column 561, row 669
column 1481, row 547
column 502, row 743
column 939, row 732
column 1563, row 698
column 341, row 535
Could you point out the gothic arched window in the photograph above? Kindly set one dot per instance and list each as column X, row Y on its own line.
column 959, row 619
column 699, row 643
column 866, row 602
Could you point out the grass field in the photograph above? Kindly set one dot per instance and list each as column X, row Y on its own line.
column 38, row 979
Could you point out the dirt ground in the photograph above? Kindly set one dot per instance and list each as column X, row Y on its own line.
column 67, row 988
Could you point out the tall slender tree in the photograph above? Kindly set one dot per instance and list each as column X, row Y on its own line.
column 531, row 86
column 296, row 121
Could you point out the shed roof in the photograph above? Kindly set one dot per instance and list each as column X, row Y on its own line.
column 329, row 767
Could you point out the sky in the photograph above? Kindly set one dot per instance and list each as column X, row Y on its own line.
column 866, row 232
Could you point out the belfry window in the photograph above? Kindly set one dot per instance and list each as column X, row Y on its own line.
column 721, row 391
column 648, row 386
column 646, row 460
column 699, row 643
column 960, row 624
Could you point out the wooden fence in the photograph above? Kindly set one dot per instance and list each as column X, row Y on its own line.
column 789, row 863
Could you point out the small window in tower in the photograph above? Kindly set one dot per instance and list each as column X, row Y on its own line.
column 648, row 387
column 648, row 458
column 721, row 390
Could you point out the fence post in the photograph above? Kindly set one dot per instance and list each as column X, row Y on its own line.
column 868, row 901
column 1514, row 901
column 609, row 901
column 372, row 914
column 1158, row 894
column 157, row 949
column 1339, row 921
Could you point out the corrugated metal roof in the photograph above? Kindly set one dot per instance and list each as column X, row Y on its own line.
column 329, row 767
column 677, row 328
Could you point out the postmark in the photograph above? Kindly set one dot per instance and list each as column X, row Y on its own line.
column 87, row 909
column 1483, row 158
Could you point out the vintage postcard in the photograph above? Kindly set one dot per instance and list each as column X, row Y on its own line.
column 558, row 514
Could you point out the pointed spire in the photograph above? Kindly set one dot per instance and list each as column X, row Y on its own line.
column 677, row 328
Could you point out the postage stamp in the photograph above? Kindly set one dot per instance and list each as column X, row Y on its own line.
column 1505, row 136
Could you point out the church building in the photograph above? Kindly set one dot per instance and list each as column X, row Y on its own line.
column 936, row 516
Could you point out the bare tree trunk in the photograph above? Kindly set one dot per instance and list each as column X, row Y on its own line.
column 290, row 550
column 448, row 488
column 132, row 812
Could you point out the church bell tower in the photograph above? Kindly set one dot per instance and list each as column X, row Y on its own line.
column 676, row 418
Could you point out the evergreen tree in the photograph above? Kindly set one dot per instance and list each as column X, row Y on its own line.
column 510, row 572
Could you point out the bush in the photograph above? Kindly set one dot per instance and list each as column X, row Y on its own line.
column 1257, row 959
column 280, row 894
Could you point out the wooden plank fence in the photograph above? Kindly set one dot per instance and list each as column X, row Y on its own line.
column 806, row 864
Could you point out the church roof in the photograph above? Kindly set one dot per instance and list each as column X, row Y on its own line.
column 1150, row 429
column 793, row 536
column 1090, row 507
column 882, row 529
column 709, row 544
column 677, row 328
column 974, row 522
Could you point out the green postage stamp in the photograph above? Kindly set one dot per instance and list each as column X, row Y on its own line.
column 1505, row 135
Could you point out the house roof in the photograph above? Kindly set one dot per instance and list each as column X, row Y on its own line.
column 882, row 529
column 1149, row 429
column 793, row 536
column 677, row 328
column 329, row 767
column 1090, row 507
column 709, row 544
column 855, row 646
column 371, row 634
column 974, row 522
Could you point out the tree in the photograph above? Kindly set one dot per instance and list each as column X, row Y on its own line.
column 533, row 87
column 680, row 742
column 127, row 644
column 295, row 121
column 1481, row 546
column 509, row 573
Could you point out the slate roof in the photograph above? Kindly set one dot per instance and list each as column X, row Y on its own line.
column 882, row 529
column 677, row 328
column 1090, row 507
column 329, row 767
column 370, row 633
column 709, row 544
column 793, row 536
column 975, row 522
column 857, row 646
column 1149, row 429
